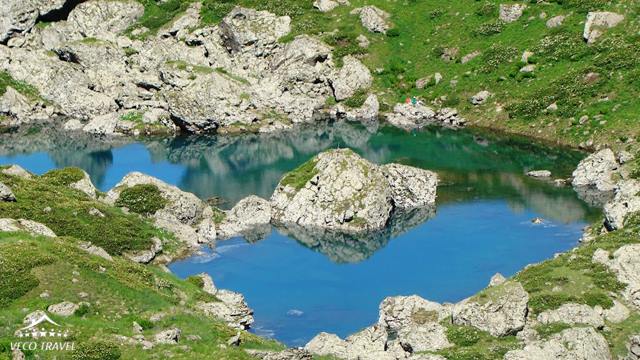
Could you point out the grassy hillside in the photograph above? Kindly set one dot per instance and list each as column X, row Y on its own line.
column 424, row 30
column 36, row 272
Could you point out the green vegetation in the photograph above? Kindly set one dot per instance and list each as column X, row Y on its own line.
column 20, row 86
column 473, row 344
column 218, row 215
column 356, row 100
column 145, row 199
column 299, row 177
column 48, row 200
column 546, row 330
column 231, row 76
column 198, row 69
column 119, row 294
column 133, row 116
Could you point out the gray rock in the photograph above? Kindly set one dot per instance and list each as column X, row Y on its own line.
column 582, row 343
column 411, row 187
column 497, row 279
column 372, row 18
column 6, row 194
column 511, row 12
column 207, row 284
column 145, row 256
column 343, row 192
column 597, row 21
column 625, row 157
column 353, row 76
column 501, row 310
column 17, row 17
column 234, row 340
column 95, row 250
column 32, row 227
column 555, row 21
column 363, row 41
column 625, row 201
column 136, row 328
column 625, row 263
column 367, row 113
column 325, row 5
column 250, row 217
column 288, row 354
column 634, row 348
column 481, row 97
column 17, row 170
column 573, row 314
column 171, row 336
column 65, row 308
column 596, row 171
column 232, row 308
column 617, row 314
column 85, row 185
column 250, row 30
column 472, row 55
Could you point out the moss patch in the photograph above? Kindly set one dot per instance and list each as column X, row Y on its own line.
column 299, row 177
column 144, row 199
column 63, row 177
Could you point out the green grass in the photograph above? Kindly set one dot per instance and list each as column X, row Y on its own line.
column 144, row 199
column 124, row 292
column 299, row 177
column 63, row 177
column 473, row 344
column 23, row 88
column 133, row 116
column 48, row 200
column 231, row 76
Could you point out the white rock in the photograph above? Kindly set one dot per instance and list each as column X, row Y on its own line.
column 95, row 250
column 481, row 97
column 353, row 76
column 626, row 265
column 582, row 343
column 325, row 5
column 555, row 21
column 85, row 185
column 65, row 308
column 171, row 336
column 17, row 170
column 6, row 194
column 573, row 314
column 539, row 173
column 372, row 18
column 596, row 171
column 250, row 30
column 597, row 21
column 511, row 12
column 145, row 256
column 501, row 312
column 625, row 201
column 497, row 279
column 411, row 187
column 232, row 308
column 250, row 216
column 617, row 314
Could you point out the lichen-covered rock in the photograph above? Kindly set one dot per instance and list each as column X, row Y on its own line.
column 411, row 187
column 373, row 18
column 597, row 21
column 625, row 202
column 582, row 343
column 336, row 190
column 250, row 217
column 353, row 76
column 500, row 310
column 511, row 12
column 250, row 30
column 573, row 314
column 596, row 171
column 6, row 194
column 65, row 308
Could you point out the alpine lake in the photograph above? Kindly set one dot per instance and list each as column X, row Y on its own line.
column 483, row 223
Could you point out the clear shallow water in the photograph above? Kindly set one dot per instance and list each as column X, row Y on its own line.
column 297, row 289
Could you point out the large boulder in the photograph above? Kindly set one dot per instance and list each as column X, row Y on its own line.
column 500, row 310
column 573, row 314
column 581, row 343
column 184, row 214
column 596, row 171
column 104, row 19
column 17, row 17
column 250, row 217
column 32, row 227
column 368, row 344
column 6, row 194
column 353, row 76
column 597, row 21
column 339, row 190
column 511, row 12
column 625, row 263
column 411, row 187
column 232, row 308
column 18, row 171
column 256, row 31
column 373, row 18
column 634, row 348
column 625, row 202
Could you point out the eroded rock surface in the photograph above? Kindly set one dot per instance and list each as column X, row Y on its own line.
column 581, row 343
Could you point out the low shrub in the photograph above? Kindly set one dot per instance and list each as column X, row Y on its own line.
column 144, row 199
column 96, row 350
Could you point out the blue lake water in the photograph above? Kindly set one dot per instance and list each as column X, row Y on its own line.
column 297, row 289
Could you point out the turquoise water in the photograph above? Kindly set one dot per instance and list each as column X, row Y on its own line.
column 297, row 289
